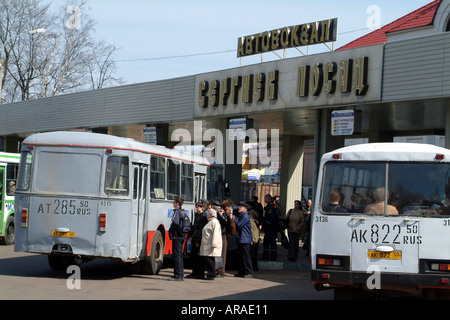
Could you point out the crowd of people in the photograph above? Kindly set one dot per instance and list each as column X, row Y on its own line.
column 224, row 235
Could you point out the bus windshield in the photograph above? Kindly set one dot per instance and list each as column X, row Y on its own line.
column 360, row 188
column 54, row 171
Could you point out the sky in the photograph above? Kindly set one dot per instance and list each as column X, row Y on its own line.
column 176, row 38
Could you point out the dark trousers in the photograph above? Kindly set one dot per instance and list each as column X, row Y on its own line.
column 254, row 255
column 210, row 266
column 221, row 271
column 177, row 252
column 294, row 239
column 270, row 243
column 198, row 267
column 245, row 261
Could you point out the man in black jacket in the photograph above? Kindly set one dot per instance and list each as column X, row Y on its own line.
column 199, row 222
column 177, row 237
column 223, row 218
column 271, row 217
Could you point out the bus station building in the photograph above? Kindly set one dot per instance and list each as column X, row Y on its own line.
column 392, row 84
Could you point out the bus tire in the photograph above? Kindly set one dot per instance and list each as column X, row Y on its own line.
column 152, row 263
column 8, row 239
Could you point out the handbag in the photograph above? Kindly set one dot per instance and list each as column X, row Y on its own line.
column 283, row 224
column 218, row 262
column 284, row 240
column 231, row 227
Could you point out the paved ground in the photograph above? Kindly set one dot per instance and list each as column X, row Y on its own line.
column 28, row 276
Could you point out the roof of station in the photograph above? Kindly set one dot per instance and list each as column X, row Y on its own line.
column 421, row 17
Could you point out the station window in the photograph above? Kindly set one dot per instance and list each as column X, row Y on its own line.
column 157, row 178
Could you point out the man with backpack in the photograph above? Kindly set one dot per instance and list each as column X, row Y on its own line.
column 179, row 227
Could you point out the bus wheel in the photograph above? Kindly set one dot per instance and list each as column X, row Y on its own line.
column 8, row 239
column 154, row 261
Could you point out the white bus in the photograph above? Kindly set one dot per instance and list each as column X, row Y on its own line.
column 9, row 167
column 381, row 221
column 84, row 195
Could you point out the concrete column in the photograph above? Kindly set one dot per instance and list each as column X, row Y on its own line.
column 232, row 164
column 328, row 142
column 291, row 172
column 447, row 126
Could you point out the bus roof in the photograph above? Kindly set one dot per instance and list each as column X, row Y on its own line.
column 393, row 151
column 97, row 140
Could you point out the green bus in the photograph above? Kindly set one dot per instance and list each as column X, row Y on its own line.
column 9, row 168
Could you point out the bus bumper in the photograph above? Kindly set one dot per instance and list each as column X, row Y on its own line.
column 328, row 279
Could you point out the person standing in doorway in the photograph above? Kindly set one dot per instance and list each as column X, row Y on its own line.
column 296, row 229
column 271, row 217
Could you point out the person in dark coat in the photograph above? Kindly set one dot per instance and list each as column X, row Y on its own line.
column 244, row 239
column 258, row 208
column 177, row 240
column 223, row 217
column 271, row 217
column 196, row 233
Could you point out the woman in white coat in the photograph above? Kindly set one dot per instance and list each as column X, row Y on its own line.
column 211, row 245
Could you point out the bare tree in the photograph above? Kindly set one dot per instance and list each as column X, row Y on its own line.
column 65, row 58
column 20, row 63
column 103, row 67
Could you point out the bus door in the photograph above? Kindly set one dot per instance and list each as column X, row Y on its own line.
column 139, row 208
column 386, row 243
column 200, row 183
column 2, row 191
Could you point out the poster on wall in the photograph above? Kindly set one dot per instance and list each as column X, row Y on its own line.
column 345, row 122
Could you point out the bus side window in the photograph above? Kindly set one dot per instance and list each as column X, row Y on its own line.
column 173, row 179
column 135, row 183
column 11, row 178
column 187, row 182
column 25, row 171
column 157, row 178
column 116, row 178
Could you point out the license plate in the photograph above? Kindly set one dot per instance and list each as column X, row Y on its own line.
column 393, row 255
column 62, row 234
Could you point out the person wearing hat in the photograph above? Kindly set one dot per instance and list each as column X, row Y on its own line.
column 271, row 217
column 223, row 218
column 200, row 221
column 244, row 239
column 211, row 245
